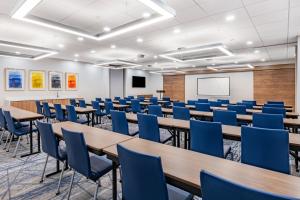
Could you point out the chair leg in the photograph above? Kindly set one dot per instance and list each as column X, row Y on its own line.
column 97, row 188
column 43, row 174
column 2, row 134
column 17, row 146
column 6, row 142
column 60, row 177
column 11, row 138
column 71, row 185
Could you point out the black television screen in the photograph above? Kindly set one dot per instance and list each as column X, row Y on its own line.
column 138, row 81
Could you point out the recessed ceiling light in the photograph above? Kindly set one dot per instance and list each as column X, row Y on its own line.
column 146, row 15
column 17, row 52
column 61, row 45
column 176, row 31
column 92, row 51
column 75, row 60
column 155, row 57
column 174, row 61
column 249, row 42
column 113, row 46
column 263, row 60
column 193, row 65
column 236, row 62
column 155, row 63
column 106, row 29
column 213, row 64
column 256, row 51
column 139, row 40
column 76, row 55
column 80, row 39
column 230, row 18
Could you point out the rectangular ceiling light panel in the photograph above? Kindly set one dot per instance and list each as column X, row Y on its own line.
column 231, row 67
column 118, row 64
column 162, row 10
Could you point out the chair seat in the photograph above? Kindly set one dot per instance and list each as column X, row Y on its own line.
column 227, row 150
column 22, row 131
column 178, row 194
column 100, row 165
column 165, row 137
column 21, row 124
column 52, row 115
column 62, row 152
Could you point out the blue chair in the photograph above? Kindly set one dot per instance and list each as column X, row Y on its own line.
column 192, row 102
column 3, row 126
column 136, row 106
column 123, row 102
column 224, row 101
column 72, row 115
column 225, row 117
column 117, row 98
column 39, row 108
column 273, row 110
column 204, row 107
column 141, row 98
column 207, row 138
column 155, row 110
column 47, row 112
column 166, row 99
column 60, row 115
column 154, row 100
column 73, row 102
column 167, row 103
column 216, row 188
column 270, row 121
column 215, row 103
column 108, row 107
column 99, row 99
column 131, row 97
column 179, row 104
column 250, row 102
column 92, row 167
column 247, row 104
column 275, row 102
column 120, row 123
column 274, row 105
column 266, row 148
column 98, row 112
column 181, row 113
column 50, row 146
column 149, row 129
column 108, row 100
column 153, row 185
column 239, row 109
column 127, row 99
column 82, row 103
column 15, row 130
column 202, row 100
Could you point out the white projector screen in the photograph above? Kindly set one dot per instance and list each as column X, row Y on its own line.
column 213, row 86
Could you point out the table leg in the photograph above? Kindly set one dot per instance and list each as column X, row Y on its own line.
column 31, row 143
column 114, row 181
column 178, row 138
column 88, row 118
column 93, row 118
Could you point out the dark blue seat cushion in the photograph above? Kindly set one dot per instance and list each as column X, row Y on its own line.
column 23, row 131
column 175, row 193
column 100, row 165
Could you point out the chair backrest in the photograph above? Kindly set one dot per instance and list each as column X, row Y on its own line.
column 205, row 107
column 108, row 107
column 39, row 108
column 181, row 113
column 223, row 101
column 216, row 188
column 135, row 106
column 239, row 109
column 131, row 97
column 207, row 138
column 123, row 101
column 154, row 100
column 59, row 113
column 46, row 109
column 215, row 103
column 248, row 105
column 78, row 156
column 179, row 104
column 273, row 110
column 202, row 100
column 108, row 100
column 119, row 122
column 155, row 110
column 136, row 165
column 127, row 98
column 82, row 103
column 71, row 113
column 49, row 141
column 117, row 98
column 266, row 148
column 166, row 99
column 148, row 127
column 271, row 121
column 96, row 106
column 2, row 120
column 192, row 102
column 141, row 98
column 275, row 102
column 10, row 122
column 274, row 105
column 249, row 101
column 98, row 99
column 73, row 102
column 226, row 117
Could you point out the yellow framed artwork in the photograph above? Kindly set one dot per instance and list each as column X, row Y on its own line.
column 71, row 81
column 37, row 80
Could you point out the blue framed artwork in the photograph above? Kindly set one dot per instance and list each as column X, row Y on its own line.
column 14, row 79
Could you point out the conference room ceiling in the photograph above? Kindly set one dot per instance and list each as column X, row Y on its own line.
column 256, row 31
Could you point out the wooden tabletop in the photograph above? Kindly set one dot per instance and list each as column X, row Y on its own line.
column 79, row 110
column 184, row 166
column 117, row 106
column 22, row 115
column 95, row 138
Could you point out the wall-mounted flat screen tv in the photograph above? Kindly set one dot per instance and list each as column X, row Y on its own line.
column 138, row 82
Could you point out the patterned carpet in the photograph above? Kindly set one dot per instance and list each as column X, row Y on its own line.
column 20, row 177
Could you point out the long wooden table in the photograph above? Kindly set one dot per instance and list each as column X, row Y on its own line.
column 116, row 106
column 142, row 103
column 21, row 115
column 259, row 107
column 182, row 169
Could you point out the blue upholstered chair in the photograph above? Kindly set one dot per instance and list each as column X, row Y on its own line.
column 108, row 107
column 239, row 109
column 224, row 101
column 47, row 112
column 3, row 126
column 155, row 110
column 202, row 100
column 266, row 148
column 153, row 184
column 123, row 102
column 154, row 100
column 225, row 117
column 216, row 188
column 192, row 102
column 167, row 104
column 215, row 103
column 73, row 102
column 131, row 97
column 207, row 138
column 99, row 99
column 60, row 115
column 275, row 102
column 141, row 98
column 166, row 99
column 92, row 167
column 108, row 100
column 274, row 110
column 117, row 98
column 120, row 123
column 98, row 112
column 274, row 105
column 39, row 108
column 181, row 113
column 136, row 106
column 51, row 147
column 72, row 115
column 82, row 103
column 204, row 107
column 149, row 129
column 250, row 102
column 271, row 121
column 248, row 105
column 179, row 104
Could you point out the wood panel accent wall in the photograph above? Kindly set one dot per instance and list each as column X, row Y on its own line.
column 174, row 85
column 275, row 84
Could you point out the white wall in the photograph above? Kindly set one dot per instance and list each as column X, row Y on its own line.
column 153, row 82
column 93, row 81
column 241, row 86
column 116, row 83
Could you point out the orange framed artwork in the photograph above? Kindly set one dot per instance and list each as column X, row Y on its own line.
column 71, row 81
